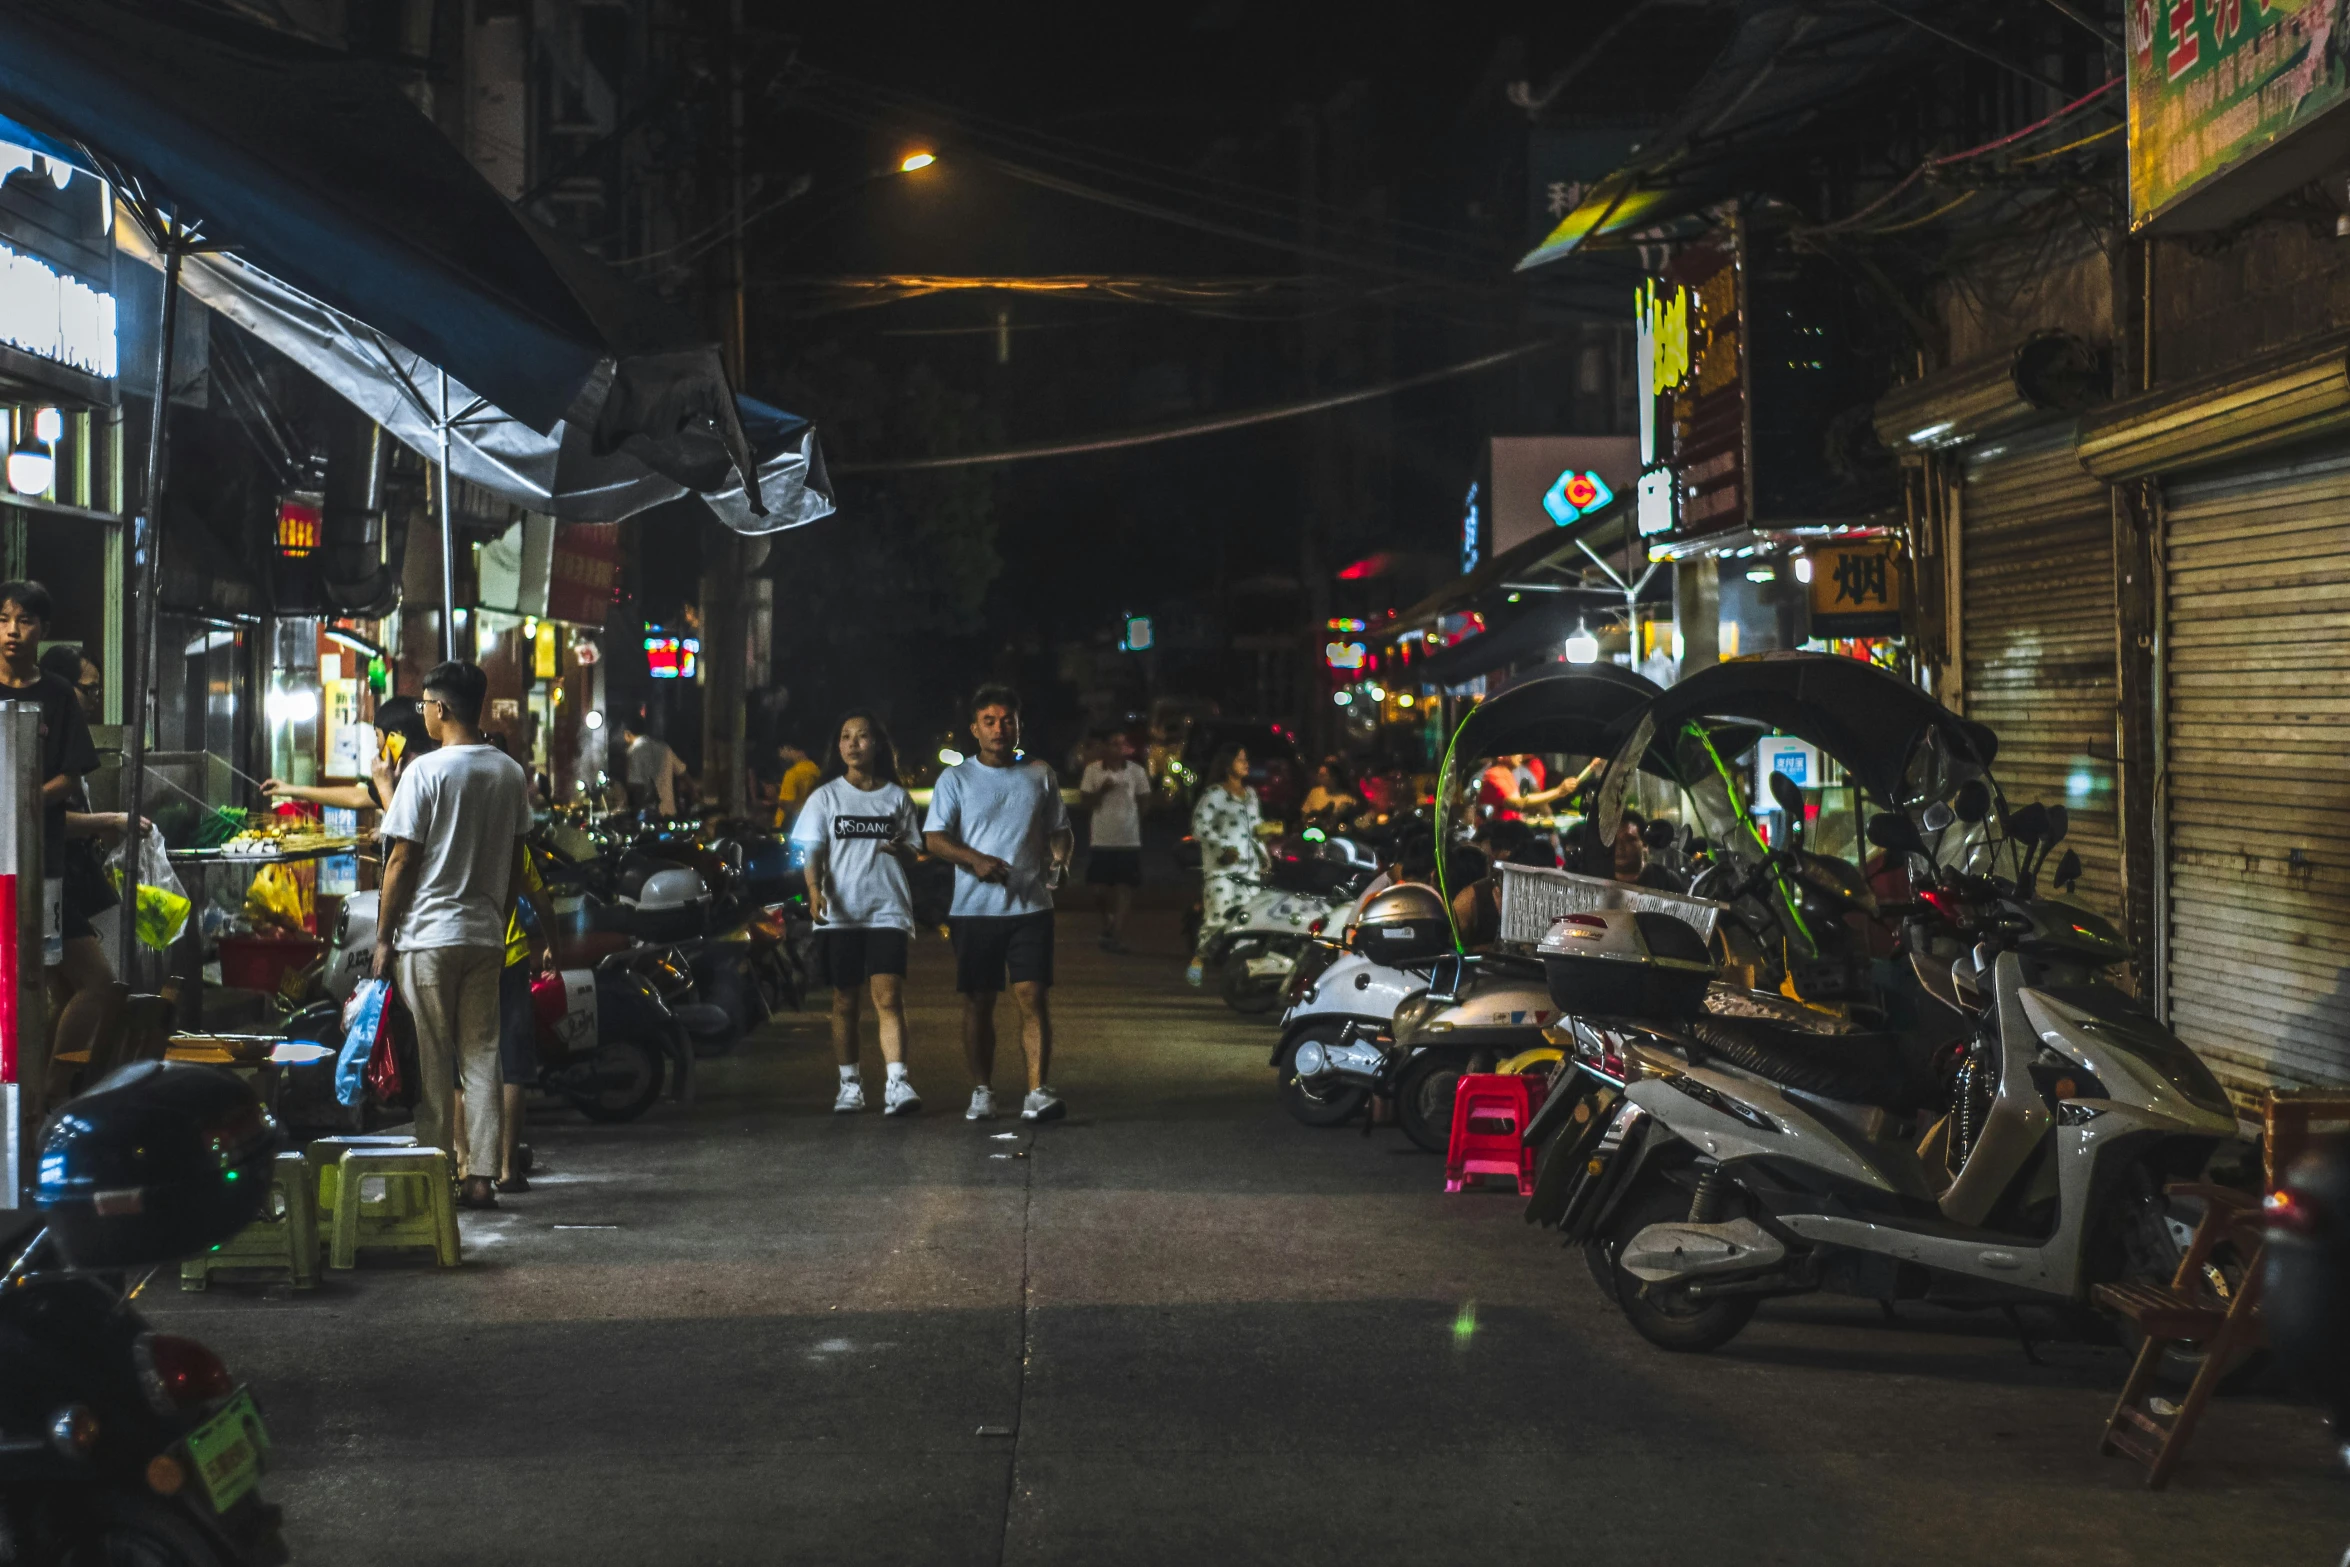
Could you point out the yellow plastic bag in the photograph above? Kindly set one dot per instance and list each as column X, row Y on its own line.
column 277, row 898
column 163, row 903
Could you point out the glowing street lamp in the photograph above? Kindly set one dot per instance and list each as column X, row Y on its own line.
column 916, row 160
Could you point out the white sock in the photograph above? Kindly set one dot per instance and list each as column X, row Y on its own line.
column 897, row 1071
column 848, row 1074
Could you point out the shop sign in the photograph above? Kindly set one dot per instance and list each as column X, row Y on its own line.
column 672, row 658
column 1472, row 532
column 2214, row 83
column 583, row 572
column 585, row 653
column 1693, row 404
column 1344, row 655
column 1139, row 636
column 1797, row 760
column 1575, row 493
column 1857, row 590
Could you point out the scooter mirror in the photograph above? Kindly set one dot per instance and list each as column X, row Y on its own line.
column 2029, row 825
column 2068, row 871
column 1972, row 803
column 1787, row 794
column 1898, row 833
column 2060, row 821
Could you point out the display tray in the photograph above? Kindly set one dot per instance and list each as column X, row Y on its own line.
column 1533, row 895
column 312, row 849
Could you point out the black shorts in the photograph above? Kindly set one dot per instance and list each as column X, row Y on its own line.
column 1113, row 868
column 847, row 957
column 990, row 947
column 518, row 1027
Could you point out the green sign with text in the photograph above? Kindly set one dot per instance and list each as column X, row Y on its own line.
column 2216, row 82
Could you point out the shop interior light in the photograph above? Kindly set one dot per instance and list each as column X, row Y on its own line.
column 594, row 718
column 352, row 640
column 48, row 426
column 292, row 707
column 31, row 468
column 1582, row 647
column 1762, row 574
column 1803, row 568
column 530, row 627
column 950, row 756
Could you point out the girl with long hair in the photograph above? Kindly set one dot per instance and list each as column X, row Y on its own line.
column 862, row 834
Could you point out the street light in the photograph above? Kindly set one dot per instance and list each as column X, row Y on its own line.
column 916, row 160
column 1582, row 647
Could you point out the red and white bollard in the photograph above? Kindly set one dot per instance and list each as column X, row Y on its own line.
column 24, row 1013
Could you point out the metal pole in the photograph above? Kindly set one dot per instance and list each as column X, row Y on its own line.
column 448, row 535
column 139, row 592
column 24, row 1020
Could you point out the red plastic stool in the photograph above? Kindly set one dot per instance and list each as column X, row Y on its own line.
column 1504, row 1103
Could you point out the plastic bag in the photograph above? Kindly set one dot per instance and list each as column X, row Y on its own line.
column 366, row 1025
column 163, row 902
column 278, row 899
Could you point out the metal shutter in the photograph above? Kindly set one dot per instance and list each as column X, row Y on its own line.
column 2256, row 806
column 2037, row 638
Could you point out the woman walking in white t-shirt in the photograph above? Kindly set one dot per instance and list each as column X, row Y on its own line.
column 861, row 833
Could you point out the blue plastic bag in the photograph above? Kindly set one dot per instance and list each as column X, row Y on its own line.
column 363, row 1021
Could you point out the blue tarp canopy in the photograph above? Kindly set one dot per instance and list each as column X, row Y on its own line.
column 359, row 242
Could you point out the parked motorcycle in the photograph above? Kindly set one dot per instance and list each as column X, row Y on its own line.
column 119, row 1444
column 1303, row 888
column 1733, row 1147
column 1341, row 1016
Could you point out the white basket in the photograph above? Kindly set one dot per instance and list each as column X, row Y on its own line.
column 1532, row 896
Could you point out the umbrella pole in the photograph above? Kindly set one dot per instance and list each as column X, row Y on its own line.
column 138, row 568
column 448, row 536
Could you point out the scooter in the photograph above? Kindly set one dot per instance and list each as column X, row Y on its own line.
column 1344, row 1009
column 119, row 1444
column 1302, row 894
column 1740, row 1157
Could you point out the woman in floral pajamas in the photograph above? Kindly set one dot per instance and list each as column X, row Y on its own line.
column 1224, row 824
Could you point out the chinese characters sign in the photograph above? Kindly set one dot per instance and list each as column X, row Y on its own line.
column 2215, row 82
column 1856, row 590
column 584, row 572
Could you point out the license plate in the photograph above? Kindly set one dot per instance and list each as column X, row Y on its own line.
column 228, row 1451
column 1258, row 968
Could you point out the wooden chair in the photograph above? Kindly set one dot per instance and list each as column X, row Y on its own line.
column 2196, row 1308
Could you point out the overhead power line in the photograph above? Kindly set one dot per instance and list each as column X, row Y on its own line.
column 1209, row 426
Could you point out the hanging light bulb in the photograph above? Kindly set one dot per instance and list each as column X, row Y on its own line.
column 48, row 426
column 31, row 468
column 1582, row 647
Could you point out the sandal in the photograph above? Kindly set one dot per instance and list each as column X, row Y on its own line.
column 477, row 1192
column 515, row 1183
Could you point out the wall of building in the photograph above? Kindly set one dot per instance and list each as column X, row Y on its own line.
column 2222, row 299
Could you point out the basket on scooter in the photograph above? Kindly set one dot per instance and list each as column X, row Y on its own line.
column 1625, row 963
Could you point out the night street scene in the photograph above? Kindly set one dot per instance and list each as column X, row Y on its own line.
column 987, row 786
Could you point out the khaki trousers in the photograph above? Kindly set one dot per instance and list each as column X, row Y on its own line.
column 453, row 994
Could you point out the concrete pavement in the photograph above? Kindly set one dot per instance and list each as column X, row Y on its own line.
column 1174, row 1328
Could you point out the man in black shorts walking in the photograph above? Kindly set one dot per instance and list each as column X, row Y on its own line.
column 1000, row 822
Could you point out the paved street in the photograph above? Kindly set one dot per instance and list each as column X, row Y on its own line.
column 1175, row 1328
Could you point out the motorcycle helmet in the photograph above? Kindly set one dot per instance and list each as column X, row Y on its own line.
column 1404, row 924
column 675, row 888
column 159, row 1161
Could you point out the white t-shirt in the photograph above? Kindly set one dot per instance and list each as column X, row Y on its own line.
column 464, row 807
column 864, row 888
column 1009, row 812
column 1117, row 821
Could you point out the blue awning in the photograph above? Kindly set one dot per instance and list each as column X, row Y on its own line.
column 362, row 244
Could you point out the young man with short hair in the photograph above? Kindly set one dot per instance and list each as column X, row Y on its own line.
column 653, row 769
column 455, row 825
column 1114, row 788
column 800, row 778
column 999, row 821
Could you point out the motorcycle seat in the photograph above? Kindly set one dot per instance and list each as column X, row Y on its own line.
column 1869, row 1069
column 589, row 948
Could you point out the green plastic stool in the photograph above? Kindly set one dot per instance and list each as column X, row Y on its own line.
column 419, row 1207
column 283, row 1240
column 326, row 1157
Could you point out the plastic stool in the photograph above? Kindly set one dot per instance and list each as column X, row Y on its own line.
column 1491, row 1097
column 326, row 1157
column 284, row 1239
column 420, row 1206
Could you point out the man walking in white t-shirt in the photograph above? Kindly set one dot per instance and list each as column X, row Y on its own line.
column 455, row 826
column 1113, row 788
column 1000, row 822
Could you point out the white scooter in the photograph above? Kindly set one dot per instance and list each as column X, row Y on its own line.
column 1338, row 1030
column 1258, row 951
column 1715, row 1159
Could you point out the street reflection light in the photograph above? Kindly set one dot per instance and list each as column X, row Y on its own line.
column 916, row 160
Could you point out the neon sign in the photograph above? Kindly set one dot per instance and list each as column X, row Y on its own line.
column 1140, row 635
column 1345, row 655
column 1575, row 494
column 1663, row 318
column 672, row 658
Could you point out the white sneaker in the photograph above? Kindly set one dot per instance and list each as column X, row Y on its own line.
column 1042, row 1104
column 850, row 1098
column 982, row 1105
column 898, row 1097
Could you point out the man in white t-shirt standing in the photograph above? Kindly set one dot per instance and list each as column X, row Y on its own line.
column 999, row 821
column 1113, row 788
column 456, row 826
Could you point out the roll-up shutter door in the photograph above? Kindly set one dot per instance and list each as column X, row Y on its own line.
column 2257, row 772
column 2037, row 638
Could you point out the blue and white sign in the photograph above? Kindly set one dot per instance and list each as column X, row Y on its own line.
column 1575, row 494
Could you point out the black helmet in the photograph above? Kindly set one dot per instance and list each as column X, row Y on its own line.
column 158, row 1162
